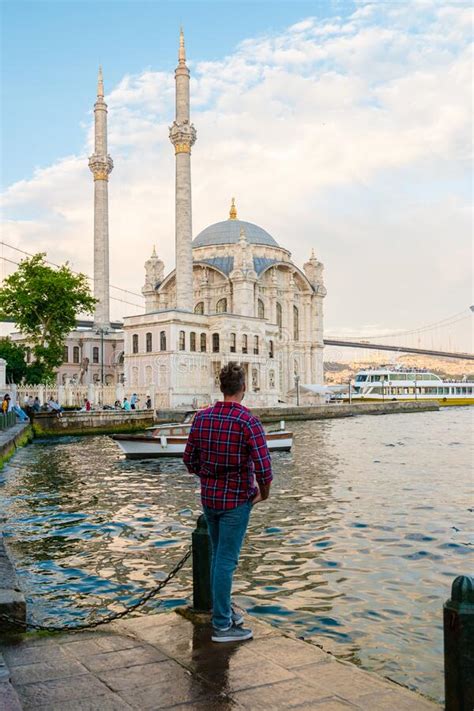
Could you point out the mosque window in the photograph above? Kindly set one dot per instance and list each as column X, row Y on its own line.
column 65, row 354
column 296, row 323
column 203, row 343
column 182, row 341
column 215, row 343
column 221, row 306
column 245, row 343
column 162, row 340
column 75, row 354
column 271, row 352
column 192, row 341
column 255, row 345
column 95, row 354
column 135, row 343
column 149, row 342
column 260, row 309
column 233, row 342
column 199, row 308
column 148, row 375
column 255, row 379
column 271, row 379
column 279, row 315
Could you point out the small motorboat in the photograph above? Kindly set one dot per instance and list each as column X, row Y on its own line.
column 170, row 440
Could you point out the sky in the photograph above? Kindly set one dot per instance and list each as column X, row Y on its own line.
column 339, row 126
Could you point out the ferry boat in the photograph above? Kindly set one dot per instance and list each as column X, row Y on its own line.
column 380, row 384
column 170, row 440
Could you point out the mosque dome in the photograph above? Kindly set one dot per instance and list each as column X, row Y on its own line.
column 228, row 232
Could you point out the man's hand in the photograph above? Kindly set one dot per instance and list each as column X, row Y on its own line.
column 262, row 494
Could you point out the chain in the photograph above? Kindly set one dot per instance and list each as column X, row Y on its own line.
column 112, row 615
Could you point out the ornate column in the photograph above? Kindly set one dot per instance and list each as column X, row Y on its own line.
column 183, row 136
column 101, row 165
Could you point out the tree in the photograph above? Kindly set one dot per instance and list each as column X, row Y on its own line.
column 44, row 302
column 15, row 355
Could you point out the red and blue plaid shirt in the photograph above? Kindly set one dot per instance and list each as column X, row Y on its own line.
column 227, row 449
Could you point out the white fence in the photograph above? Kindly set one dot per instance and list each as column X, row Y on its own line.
column 74, row 395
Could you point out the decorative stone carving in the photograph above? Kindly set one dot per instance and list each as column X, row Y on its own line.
column 182, row 135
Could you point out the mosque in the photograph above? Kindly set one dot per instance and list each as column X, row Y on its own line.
column 235, row 294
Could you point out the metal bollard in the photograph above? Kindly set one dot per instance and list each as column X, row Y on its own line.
column 202, row 600
column 459, row 646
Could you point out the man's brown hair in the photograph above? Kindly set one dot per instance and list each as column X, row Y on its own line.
column 232, row 378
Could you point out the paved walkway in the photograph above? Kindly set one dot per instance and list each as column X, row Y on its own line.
column 166, row 661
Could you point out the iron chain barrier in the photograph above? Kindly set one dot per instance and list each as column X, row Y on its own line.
column 112, row 616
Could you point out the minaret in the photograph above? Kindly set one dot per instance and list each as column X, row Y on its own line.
column 100, row 164
column 183, row 136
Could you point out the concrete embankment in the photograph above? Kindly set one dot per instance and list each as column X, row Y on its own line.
column 167, row 661
column 320, row 412
column 11, row 439
column 12, row 601
column 48, row 424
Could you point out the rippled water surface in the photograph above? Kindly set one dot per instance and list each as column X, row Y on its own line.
column 368, row 523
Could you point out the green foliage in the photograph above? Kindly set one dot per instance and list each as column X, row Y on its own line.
column 15, row 355
column 44, row 302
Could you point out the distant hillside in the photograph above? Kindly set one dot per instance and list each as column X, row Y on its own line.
column 339, row 372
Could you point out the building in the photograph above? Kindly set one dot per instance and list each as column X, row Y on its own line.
column 235, row 294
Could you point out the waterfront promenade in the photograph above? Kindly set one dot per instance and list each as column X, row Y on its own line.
column 166, row 661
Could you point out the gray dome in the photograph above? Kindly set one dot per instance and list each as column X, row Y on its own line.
column 228, row 232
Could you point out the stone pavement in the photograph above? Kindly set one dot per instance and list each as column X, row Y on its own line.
column 167, row 661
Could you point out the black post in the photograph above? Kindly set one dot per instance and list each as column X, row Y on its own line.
column 459, row 646
column 202, row 600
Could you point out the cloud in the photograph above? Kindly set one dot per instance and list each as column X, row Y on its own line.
column 350, row 135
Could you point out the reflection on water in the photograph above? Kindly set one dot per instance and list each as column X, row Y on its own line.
column 366, row 528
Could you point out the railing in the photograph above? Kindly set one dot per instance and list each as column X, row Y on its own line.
column 7, row 420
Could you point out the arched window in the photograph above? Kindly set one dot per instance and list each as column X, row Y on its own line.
column 245, row 343
column 271, row 379
column 75, row 354
column 271, row 352
column 221, row 306
column 192, row 341
column 255, row 345
column 260, row 309
column 279, row 315
column 182, row 341
column 95, row 354
column 199, row 308
column 65, row 354
column 149, row 342
column 134, row 376
column 135, row 343
column 296, row 324
column 203, row 343
column 148, row 375
column 233, row 342
column 215, row 343
column 255, row 379
column 162, row 340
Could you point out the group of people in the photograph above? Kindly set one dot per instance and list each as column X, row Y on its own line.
column 9, row 404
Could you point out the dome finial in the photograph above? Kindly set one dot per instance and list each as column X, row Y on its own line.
column 233, row 211
column 153, row 254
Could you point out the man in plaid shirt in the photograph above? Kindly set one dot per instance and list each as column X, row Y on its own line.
column 227, row 449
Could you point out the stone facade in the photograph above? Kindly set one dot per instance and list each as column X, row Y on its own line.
column 235, row 295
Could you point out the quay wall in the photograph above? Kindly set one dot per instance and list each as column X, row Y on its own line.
column 12, row 439
column 12, row 600
column 320, row 412
column 48, row 424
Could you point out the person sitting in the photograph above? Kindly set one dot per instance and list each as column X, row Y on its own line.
column 36, row 407
column 6, row 403
column 126, row 405
column 54, row 406
column 148, row 403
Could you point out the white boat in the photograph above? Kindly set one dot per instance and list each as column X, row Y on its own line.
column 385, row 384
column 170, row 440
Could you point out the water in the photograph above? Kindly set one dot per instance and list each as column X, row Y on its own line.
column 368, row 523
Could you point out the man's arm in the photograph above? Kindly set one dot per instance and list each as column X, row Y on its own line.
column 191, row 453
column 260, row 455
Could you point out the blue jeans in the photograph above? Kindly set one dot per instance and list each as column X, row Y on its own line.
column 227, row 530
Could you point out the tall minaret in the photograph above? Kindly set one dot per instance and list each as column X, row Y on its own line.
column 183, row 136
column 101, row 165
